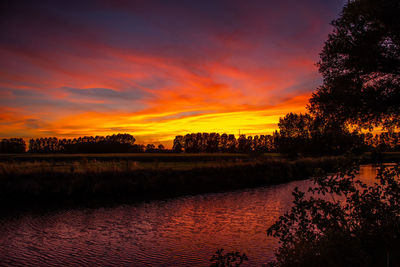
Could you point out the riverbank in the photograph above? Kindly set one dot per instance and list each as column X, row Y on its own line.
column 31, row 185
column 139, row 157
column 149, row 233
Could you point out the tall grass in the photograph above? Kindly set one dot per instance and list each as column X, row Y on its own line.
column 79, row 182
column 142, row 157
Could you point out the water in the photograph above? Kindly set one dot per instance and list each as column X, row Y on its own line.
column 183, row 231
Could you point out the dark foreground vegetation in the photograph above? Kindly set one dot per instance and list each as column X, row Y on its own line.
column 89, row 182
column 352, row 224
column 342, row 222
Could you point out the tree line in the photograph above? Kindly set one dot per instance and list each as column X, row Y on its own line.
column 86, row 144
column 116, row 143
column 299, row 134
column 12, row 145
column 215, row 142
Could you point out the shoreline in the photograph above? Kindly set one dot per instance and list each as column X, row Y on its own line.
column 47, row 187
column 89, row 182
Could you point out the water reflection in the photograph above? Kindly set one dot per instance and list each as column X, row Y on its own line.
column 181, row 231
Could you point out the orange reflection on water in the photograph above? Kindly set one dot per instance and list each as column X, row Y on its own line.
column 180, row 231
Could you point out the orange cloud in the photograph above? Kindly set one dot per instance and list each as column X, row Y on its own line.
column 157, row 71
column 153, row 126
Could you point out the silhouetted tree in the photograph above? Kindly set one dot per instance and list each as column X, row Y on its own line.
column 137, row 148
column 12, row 145
column 150, row 148
column 213, row 140
column 294, row 133
column 360, row 64
column 178, row 144
column 86, row 144
column 191, row 143
column 231, row 144
column 223, row 143
column 244, row 144
column 307, row 135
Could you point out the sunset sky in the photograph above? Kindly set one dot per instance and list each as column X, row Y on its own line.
column 156, row 69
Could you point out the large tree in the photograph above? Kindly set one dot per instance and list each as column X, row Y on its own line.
column 360, row 65
column 308, row 135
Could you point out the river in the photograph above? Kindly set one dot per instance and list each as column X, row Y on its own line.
column 182, row 231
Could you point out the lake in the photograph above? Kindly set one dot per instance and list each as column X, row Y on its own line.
column 182, row 231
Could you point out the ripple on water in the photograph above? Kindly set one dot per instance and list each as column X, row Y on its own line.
column 180, row 231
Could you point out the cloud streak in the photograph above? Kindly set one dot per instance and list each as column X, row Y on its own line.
column 155, row 69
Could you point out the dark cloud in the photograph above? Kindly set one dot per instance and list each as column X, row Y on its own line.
column 106, row 94
column 180, row 57
column 92, row 99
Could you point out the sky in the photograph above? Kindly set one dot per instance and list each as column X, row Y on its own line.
column 157, row 69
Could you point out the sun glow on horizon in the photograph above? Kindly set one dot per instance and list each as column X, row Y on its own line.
column 156, row 70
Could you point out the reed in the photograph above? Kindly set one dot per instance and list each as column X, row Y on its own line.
column 80, row 182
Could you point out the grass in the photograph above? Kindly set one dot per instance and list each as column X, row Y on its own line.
column 143, row 157
column 85, row 162
column 89, row 181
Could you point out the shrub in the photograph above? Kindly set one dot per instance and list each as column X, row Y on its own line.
column 221, row 259
column 342, row 222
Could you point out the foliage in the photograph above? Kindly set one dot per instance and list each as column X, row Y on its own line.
column 87, row 144
column 230, row 259
column 384, row 142
column 161, row 148
column 342, row 222
column 308, row 135
column 214, row 142
column 299, row 134
column 151, row 148
column 360, row 64
column 12, row 145
column 178, row 144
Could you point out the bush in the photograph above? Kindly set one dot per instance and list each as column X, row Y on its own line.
column 342, row 222
column 230, row 259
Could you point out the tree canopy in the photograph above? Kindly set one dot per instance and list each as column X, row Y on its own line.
column 308, row 135
column 360, row 65
column 12, row 145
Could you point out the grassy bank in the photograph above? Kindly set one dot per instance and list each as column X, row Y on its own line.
column 142, row 157
column 89, row 182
